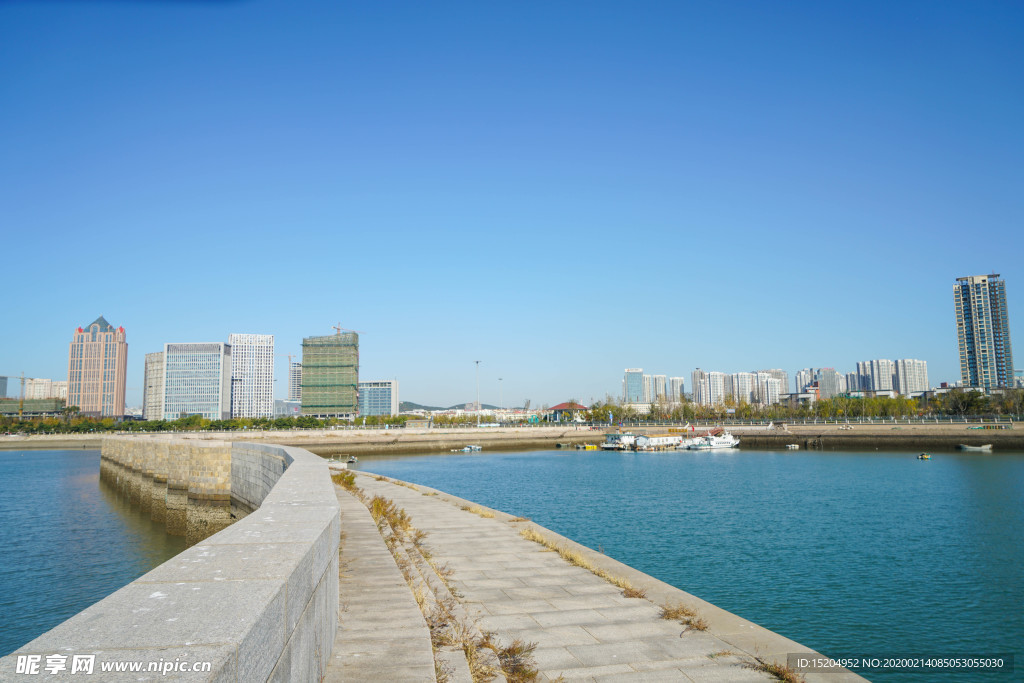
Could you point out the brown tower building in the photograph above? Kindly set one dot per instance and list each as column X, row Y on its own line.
column 97, row 366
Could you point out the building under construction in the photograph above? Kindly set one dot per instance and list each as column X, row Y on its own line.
column 330, row 375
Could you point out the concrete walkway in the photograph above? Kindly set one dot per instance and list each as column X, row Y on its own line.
column 583, row 626
column 382, row 635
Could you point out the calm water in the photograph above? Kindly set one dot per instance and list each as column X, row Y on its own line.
column 869, row 554
column 66, row 541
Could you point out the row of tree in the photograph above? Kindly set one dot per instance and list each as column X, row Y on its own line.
column 955, row 403
column 958, row 403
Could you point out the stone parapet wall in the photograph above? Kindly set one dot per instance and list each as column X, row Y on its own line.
column 257, row 600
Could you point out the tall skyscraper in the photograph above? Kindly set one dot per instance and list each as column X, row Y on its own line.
column 252, row 375
column 378, row 398
column 676, row 387
column 633, row 386
column 294, row 381
column 330, row 375
column 783, row 378
column 911, row 376
column 153, row 387
column 659, row 385
column 829, row 382
column 708, row 387
column 97, row 368
column 197, row 380
column 876, row 375
column 742, row 386
column 983, row 331
column 3, row 387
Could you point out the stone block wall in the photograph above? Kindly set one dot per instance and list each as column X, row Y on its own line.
column 257, row 600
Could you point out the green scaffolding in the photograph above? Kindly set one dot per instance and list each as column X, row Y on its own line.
column 330, row 374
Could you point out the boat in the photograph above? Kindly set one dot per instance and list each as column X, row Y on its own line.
column 468, row 449
column 714, row 440
column 924, row 456
column 352, row 459
column 793, row 446
column 617, row 441
column 660, row 442
column 964, row 447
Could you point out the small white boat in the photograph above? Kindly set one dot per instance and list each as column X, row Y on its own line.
column 714, row 441
column 793, row 446
column 987, row 447
column 619, row 441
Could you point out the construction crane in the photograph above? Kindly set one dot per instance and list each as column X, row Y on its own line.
column 338, row 328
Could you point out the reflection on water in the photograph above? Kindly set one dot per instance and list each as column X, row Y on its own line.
column 859, row 553
column 68, row 541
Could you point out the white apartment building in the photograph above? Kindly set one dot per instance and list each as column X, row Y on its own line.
column 660, row 387
column 676, row 388
column 780, row 375
column 295, row 381
column 911, row 376
column 768, row 388
column 252, row 375
column 38, row 387
column 708, row 387
column 876, row 375
column 742, row 387
column 153, row 387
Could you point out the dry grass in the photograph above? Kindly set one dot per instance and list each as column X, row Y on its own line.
column 477, row 510
column 346, row 480
column 677, row 612
column 685, row 615
column 780, row 672
column 633, row 592
column 430, row 493
column 517, row 661
column 579, row 560
column 520, row 519
column 721, row 653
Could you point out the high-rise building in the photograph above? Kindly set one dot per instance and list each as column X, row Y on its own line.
column 153, row 387
column 829, row 382
column 983, row 331
column 294, row 381
column 648, row 388
column 876, row 375
column 676, row 388
column 38, row 387
column 742, row 387
column 378, row 398
column 708, row 387
column 330, row 375
column 769, row 388
column 197, row 380
column 252, row 375
column 3, row 387
column 911, row 376
column 97, row 368
column 852, row 382
column 780, row 375
column 633, row 386
column 659, row 385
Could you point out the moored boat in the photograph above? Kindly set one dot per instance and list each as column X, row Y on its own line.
column 618, row 441
column 713, row 441
column 924, row 456
column 964, row 447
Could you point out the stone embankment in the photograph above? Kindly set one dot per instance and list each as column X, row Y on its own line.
column 253, row 602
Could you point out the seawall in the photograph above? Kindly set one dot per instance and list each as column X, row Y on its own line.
column 254, row 600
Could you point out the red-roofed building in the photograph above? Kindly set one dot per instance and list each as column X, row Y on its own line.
column 565, row 411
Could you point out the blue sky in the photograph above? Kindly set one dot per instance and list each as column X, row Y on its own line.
column 558, row 189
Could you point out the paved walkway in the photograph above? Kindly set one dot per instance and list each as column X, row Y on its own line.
column 382, row 635
column 583, row 626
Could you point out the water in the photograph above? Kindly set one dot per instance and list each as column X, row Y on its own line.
column 67, row 541
column 867, row 554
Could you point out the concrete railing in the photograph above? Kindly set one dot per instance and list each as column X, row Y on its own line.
column 255, row 601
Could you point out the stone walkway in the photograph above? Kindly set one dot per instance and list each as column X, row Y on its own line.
column 583, row 626
column 381, row 635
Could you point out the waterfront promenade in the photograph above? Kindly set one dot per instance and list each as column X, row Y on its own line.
column 583, row 625
column 900, row 434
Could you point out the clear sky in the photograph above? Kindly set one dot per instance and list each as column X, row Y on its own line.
column 560, row 190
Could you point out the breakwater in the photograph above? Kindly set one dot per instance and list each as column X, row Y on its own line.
column 255, row 600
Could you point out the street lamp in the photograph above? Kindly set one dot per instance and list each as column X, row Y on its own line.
column 477, row 392
column 501, row 396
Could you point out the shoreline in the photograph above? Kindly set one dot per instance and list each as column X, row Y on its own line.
column 434, row 441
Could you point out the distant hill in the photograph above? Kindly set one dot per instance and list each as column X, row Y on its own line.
column 405, row 406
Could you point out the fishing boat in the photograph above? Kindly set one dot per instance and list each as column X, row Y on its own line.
column 617, row 441
column 714, row 440
column 964, row 447
column 924, row 456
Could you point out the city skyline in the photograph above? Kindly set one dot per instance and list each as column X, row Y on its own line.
column 560, row 192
